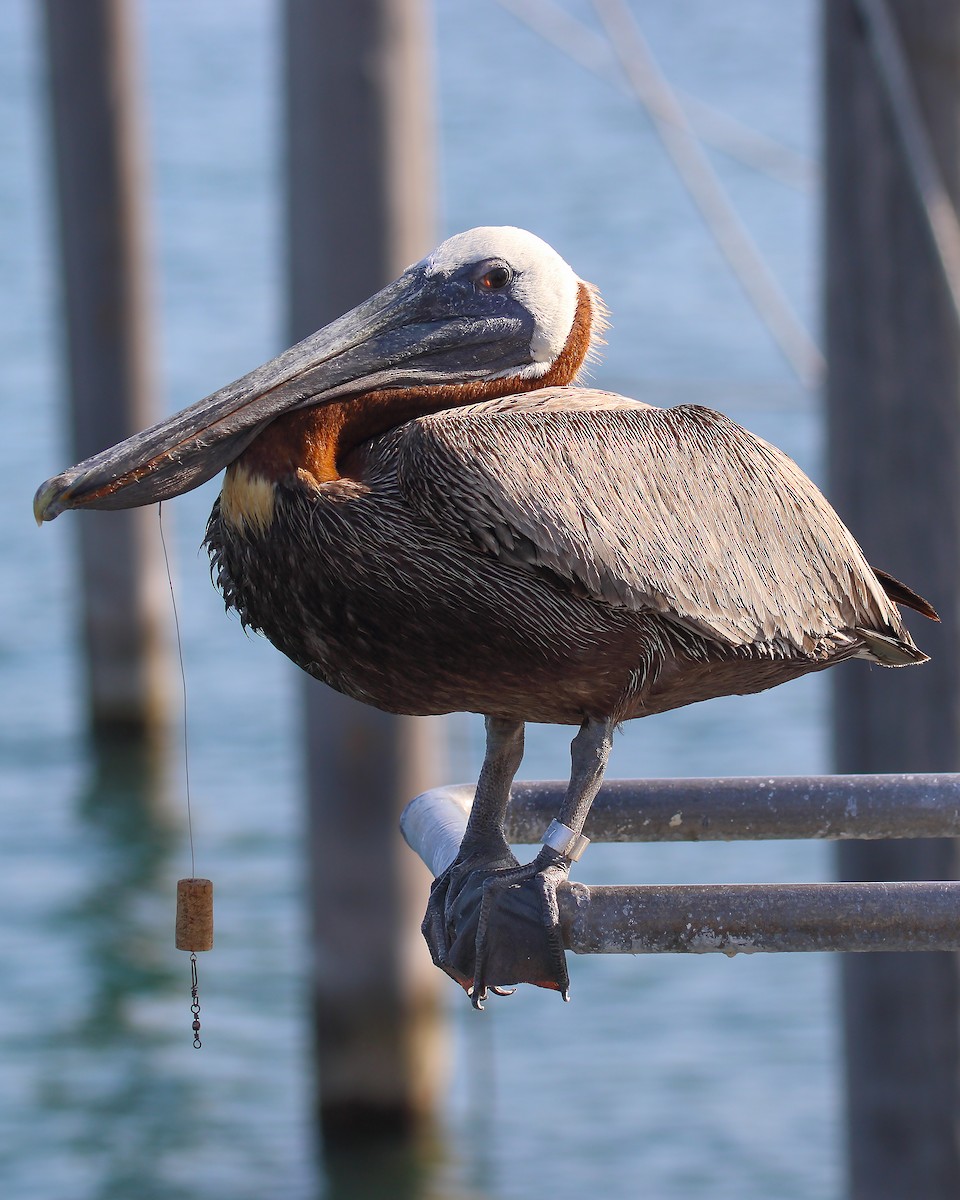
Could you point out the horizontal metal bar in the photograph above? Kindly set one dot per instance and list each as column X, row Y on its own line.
column 692, row 810
column 757, row 918
column 735, row 918
column 433, row 824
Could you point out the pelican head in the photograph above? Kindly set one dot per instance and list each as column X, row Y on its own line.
column 494, row 303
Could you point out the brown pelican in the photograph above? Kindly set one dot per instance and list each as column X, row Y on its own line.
column 420, row 510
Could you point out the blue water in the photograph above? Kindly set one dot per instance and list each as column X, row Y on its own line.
column 672, row 1078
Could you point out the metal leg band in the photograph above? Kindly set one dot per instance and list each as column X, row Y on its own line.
column 561, row 838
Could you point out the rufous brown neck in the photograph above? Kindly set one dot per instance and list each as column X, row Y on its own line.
column 317, row 440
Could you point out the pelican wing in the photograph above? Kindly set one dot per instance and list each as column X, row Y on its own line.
column 676, row 510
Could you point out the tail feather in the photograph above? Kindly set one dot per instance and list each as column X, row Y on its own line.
column 899, row 593
column 889, row 651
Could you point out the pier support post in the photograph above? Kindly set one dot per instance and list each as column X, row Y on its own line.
column 360, row 196
column 894, row 436
column 98, row 152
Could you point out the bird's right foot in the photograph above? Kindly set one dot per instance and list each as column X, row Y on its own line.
column 492, row 923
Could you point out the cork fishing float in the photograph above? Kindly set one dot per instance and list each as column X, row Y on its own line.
column 194, row 924
column 194, row 933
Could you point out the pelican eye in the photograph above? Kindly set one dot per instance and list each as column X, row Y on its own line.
column 496, row 279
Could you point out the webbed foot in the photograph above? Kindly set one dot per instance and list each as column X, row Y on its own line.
column 492, row 923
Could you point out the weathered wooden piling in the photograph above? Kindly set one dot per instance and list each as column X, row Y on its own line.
column 893, row 345
column 360, row 208
column 101, row 204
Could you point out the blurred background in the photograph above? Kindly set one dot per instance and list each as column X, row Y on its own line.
column 667, row 1077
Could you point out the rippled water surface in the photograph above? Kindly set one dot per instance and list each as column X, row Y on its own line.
column 673, row 1078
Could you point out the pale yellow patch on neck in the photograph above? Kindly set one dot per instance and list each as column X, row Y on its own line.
column 247, row 501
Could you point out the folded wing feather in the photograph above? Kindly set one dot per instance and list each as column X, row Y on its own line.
column 677, row 510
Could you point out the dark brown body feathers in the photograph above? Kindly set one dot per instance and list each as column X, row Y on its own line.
column 555, row 556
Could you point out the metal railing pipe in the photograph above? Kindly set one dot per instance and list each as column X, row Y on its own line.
column 731, row 918
column 756, row 918
column 735, row 809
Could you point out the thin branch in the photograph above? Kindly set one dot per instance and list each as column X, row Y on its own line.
column 921, row 161
column 713, row 127
column 705, row 189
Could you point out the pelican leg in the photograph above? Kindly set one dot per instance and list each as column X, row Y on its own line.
column 492, row 922
column 507, row 893
column 455, row 894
